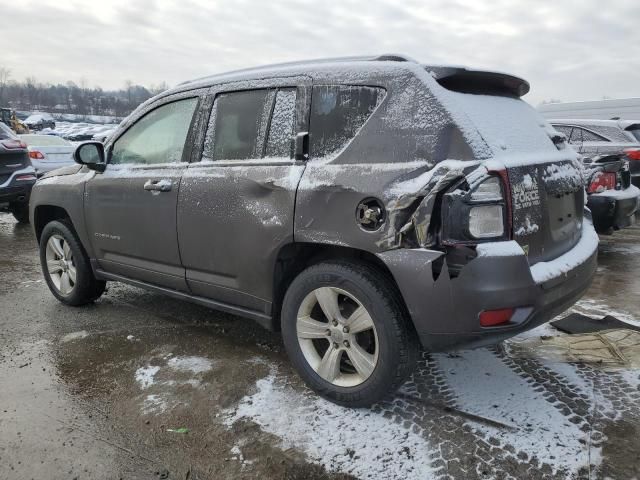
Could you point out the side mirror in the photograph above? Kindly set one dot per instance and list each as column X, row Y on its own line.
column 301, row 147
column 91, row 154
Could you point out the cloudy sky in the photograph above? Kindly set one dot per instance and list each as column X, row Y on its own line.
column 569, row 50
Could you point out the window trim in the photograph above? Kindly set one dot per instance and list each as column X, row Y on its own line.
column 189, row 139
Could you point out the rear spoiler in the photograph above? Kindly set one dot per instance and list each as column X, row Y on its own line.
column 461, row 79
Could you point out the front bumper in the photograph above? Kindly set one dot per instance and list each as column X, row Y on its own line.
column 613, row 210
column 445, row 311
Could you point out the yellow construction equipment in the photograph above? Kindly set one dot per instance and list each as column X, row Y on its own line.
column 8, row 117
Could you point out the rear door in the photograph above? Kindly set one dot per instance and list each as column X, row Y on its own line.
column 236, row 204
column 130, row 209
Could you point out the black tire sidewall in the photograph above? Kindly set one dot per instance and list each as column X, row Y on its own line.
column 85, row 290
column 381, row 309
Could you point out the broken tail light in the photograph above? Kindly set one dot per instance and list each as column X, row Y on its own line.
column 602, row 181
column 479, row 213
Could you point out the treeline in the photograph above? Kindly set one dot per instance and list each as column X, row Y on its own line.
column 71, row 97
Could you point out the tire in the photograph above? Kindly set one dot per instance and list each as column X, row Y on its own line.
column 20, row 212
column 367, row 378
column 86, row 287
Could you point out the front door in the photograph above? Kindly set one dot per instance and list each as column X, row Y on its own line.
column 130, row 209
column 236, row 206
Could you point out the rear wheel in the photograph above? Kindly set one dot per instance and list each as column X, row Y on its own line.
column 347, row 333
column 20, row 212
column 66, row 267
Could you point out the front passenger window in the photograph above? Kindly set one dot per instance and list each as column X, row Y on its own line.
column 158, row 137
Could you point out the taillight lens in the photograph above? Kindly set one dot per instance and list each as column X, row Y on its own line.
column 24, row 178
column 486, row 221
column 36, row 155
column 603, row 181
column 633, row 153
column 13, row 144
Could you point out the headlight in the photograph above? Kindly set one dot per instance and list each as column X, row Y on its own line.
column 486, row 221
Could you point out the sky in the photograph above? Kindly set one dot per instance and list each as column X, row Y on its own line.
column 567, row 49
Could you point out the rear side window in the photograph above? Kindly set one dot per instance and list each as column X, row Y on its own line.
column 251, row 124
column 580, row 135
column 613, row 133
column 337, row 113
column 238, row 125
column 566, row 131
column 158, row 137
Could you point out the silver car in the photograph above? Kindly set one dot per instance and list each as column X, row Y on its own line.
column 48, row 152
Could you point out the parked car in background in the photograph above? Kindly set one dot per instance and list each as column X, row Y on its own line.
column 612, row 169
column 48, row 152
column 103, row 135
column 360, row 205
column 603, row 137
column 40, row 121
column 632, row 127
column 17, row 176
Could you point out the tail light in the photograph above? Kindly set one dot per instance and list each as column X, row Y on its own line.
column 24, row 178
column 633, row 153
column 36, row 155
column 13, row 144
column 480, row 213
column 602, row 181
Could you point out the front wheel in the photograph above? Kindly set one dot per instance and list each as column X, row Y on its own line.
column 66, row 267
column 347, row 333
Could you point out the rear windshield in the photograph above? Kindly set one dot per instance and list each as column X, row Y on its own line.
column 506, row 124
column 6, row 132
column 636, row 133
column 44, row 141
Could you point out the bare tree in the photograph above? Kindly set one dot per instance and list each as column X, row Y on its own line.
column 5, row 74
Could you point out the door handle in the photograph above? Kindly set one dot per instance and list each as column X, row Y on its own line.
column 163, row 185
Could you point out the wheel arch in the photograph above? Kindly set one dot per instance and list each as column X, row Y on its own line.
column 43, row 214
column 293, row 258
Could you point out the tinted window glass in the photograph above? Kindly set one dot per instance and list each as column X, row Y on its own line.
column 281, row 128
column 564, row 130
column 613, row 133
column 158, row 137
column 635, row 132
column 239, row 122
column 588, row 136
column 337, row 113
column 576, row 136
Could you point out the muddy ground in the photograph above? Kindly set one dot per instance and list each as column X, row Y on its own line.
column 142, row 386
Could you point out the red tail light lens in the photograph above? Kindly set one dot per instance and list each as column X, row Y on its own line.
column 36, row 155
column 603, row 181
column 13, row 144
column 491, row 318
column 24, row 178
column 633, row 153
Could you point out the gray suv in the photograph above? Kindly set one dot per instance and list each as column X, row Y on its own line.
column 365, row 207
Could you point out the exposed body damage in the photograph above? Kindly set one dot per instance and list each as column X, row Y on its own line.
column 397, row 189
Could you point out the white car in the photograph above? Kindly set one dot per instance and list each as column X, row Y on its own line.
column 48, row 152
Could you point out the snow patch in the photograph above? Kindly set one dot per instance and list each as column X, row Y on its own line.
column 191, row 364
column 362, row 443
column 538, row 428
column 145, row 376
column 74, row 336
column 499, row 249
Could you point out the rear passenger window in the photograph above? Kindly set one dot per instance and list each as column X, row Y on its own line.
column 564, row 130
column 281, row 128
column 337, row 113
column 238, row 125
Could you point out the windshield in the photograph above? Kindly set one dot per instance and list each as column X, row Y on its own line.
column 44, row 141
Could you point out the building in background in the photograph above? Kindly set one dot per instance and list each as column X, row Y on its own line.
column 623, row 109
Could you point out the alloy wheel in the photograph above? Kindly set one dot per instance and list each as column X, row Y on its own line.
column 60, row 265
column 337, row 336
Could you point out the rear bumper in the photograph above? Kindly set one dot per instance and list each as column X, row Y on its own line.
column 445, row 311
column 17, row 191
column 612, row 211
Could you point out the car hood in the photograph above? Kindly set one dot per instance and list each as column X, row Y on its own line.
column 67, row 170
